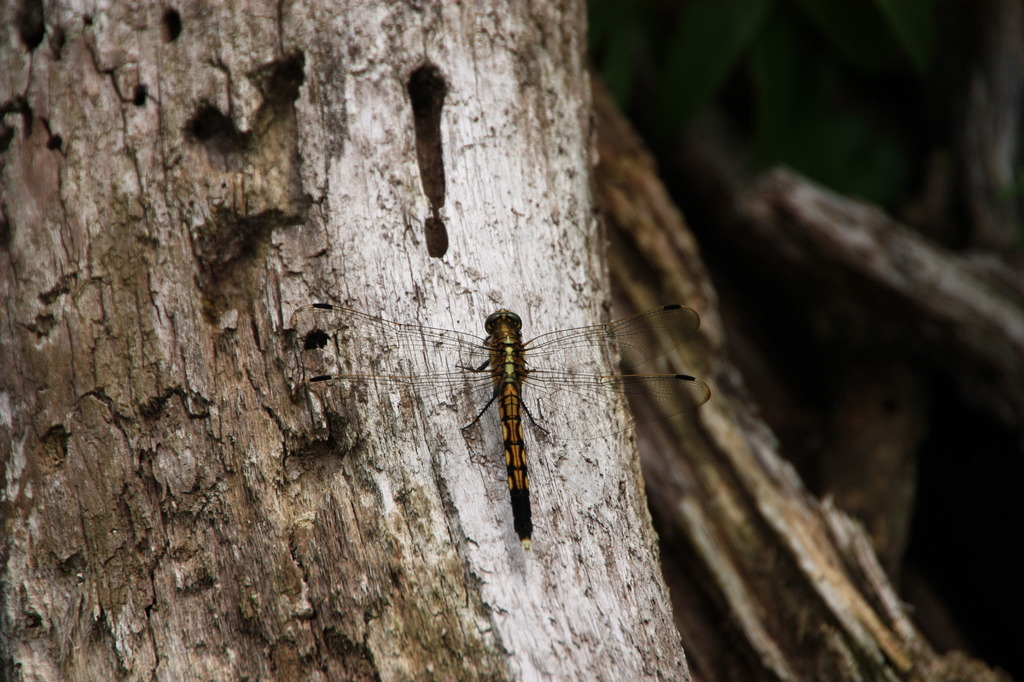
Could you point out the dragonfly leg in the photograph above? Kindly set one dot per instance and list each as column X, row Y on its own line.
column 533, row 422
column 481, row 412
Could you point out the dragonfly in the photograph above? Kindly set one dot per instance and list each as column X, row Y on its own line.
column 565, row 370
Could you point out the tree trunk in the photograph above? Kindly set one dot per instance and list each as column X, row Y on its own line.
column 177, row 504
column 768, row 581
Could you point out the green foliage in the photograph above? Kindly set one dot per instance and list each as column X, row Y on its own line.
column 620, row 31
column 817, row 77
column 1015, row 190
column 708, row 42
column 913, row 24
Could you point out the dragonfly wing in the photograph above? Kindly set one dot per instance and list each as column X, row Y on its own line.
column 652, row 397
column 346, row 348
column 638, row 339
column 566, row 369
column 330, row 335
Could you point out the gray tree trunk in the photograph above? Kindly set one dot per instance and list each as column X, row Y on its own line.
column 176, row 503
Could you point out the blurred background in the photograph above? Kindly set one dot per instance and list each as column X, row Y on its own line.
column 915, row 106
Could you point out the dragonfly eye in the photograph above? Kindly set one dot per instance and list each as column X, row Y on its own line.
column 492, row 320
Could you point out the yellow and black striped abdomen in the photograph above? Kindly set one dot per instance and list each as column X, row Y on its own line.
column 510, row 408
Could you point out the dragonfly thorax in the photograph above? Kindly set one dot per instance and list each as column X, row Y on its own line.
column 504, row 339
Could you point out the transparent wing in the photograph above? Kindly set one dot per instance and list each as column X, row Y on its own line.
column 403, row 353
column 638, row 338
column 662, row 395
column 565, row 367
column 579, row 398
column 432, row 364
column 568, row 371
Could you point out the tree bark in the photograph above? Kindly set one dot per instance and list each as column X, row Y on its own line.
column 768, row 581
column 989, row 98
column 177, row 504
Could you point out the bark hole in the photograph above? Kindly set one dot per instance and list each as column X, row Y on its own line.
column 427, row 89
column 57, row 41
column 279, row 81
column 61, row 288
column 230, row 245
column 315, row 340
column 31, row 23
column 55, row 445
column 42, row 325
column 172, row 25
column 140, row 95
column 5, row 228
column 216, row 131
column 53, row 141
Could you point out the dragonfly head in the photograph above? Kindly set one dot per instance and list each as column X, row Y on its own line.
column 501, row 318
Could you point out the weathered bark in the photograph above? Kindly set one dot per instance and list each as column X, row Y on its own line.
column 955, row 305
column 176, row 504
column 990, row 109
column 768, row 581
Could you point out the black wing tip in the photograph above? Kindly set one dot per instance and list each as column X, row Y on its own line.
column 680, row 306
column 323, row 306
column 699, row 391
column 321, row 377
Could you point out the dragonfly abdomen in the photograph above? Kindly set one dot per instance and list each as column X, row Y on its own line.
column 510, row 408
